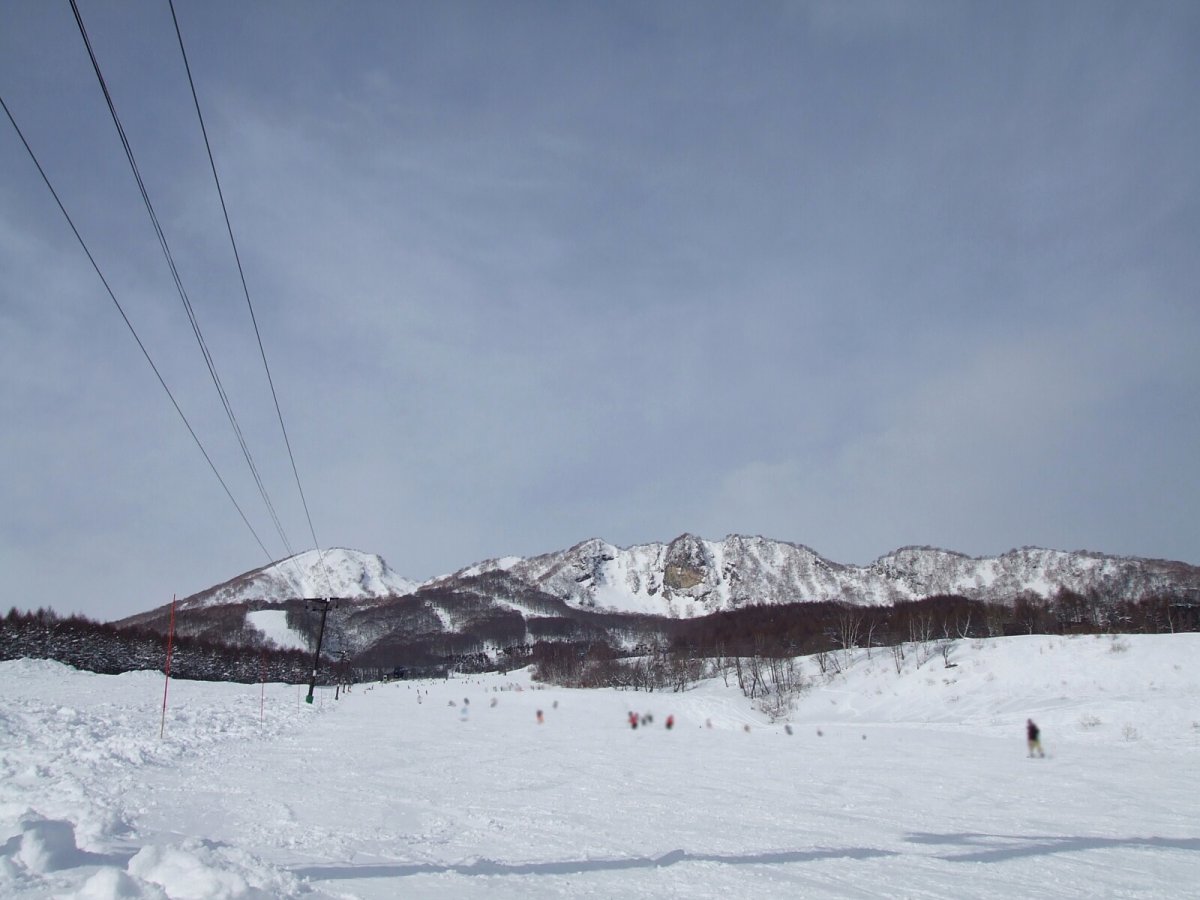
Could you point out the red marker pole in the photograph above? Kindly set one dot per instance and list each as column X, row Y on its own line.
column 170, row 644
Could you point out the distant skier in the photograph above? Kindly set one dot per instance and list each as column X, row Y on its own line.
column 670, row 722
column 633, row 721
column 540, row 717
column 1033, row 735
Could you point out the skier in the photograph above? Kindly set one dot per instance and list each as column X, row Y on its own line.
column 1033, row 734
column 670, row 722
column 633, row 720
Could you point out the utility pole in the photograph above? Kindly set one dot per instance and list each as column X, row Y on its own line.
column 324, row 606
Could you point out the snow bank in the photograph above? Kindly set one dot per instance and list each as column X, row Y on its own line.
column 75, row 745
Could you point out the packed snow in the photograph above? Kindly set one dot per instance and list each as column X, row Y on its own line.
column 878, row 783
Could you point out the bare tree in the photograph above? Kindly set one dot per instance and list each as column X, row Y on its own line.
column 920, row 632
column 874, row 623
column 964, row 627
column 849, row 629
column 946, row 647
column 828, row 663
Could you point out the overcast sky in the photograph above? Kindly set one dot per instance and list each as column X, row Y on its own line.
column 853, row 275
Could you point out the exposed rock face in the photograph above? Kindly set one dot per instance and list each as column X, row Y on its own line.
column 688, row 564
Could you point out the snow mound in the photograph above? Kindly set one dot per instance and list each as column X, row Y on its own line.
column 205, row 870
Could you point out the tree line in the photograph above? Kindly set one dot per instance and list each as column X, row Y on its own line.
column 754, row 640
column 582, row 647
column 109, row 650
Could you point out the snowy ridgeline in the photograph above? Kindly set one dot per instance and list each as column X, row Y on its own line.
column 885, row 777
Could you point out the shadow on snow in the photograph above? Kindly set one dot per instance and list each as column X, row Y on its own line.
column 1002, row 847
column 987, row 848
column 577, row 866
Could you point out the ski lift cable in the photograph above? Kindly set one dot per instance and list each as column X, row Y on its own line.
column 209, row 361
column 165, row 246
column 129, row 324
column 246, row 292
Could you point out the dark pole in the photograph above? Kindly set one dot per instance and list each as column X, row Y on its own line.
column 312, row 684
column 341, row 674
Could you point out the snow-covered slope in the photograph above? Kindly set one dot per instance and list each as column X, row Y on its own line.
column 337, row 572
column 267, row 595
column 909, row 783
column 691, row 576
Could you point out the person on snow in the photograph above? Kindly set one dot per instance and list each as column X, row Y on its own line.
column 1033, row 736
column 633, row 721
column 670, row 722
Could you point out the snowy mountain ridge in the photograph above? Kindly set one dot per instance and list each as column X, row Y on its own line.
column 690, row 576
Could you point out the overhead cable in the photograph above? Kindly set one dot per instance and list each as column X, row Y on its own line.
column 165, row 246
column 129, row 324
column 246, row 291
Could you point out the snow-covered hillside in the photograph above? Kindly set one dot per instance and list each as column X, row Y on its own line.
column 691, row 576
column 269, row 592
column 889, row 784
column 336, row 572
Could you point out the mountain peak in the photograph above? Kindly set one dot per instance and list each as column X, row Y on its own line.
column 338, row 572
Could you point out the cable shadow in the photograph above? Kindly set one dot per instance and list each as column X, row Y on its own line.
column 1002, row 847
column 579, row 866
